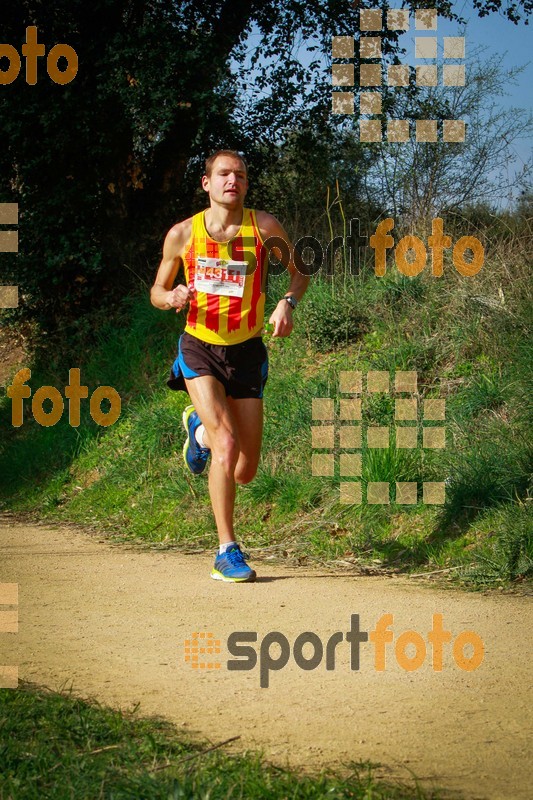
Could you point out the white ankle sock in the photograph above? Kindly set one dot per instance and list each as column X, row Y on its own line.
column 223, row 547
column 199, row 435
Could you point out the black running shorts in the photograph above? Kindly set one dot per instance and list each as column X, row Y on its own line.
column 241, row 368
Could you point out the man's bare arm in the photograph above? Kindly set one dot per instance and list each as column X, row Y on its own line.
column 163, row 294
column 281, row 318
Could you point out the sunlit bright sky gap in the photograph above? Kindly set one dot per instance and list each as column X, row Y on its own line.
column 496, row 35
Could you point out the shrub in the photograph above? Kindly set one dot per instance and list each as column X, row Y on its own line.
column 333, row 315
column 508, row 551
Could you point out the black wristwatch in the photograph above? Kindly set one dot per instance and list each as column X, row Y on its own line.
column 292, row 301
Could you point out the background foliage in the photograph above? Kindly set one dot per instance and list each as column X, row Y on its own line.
column 103, row 166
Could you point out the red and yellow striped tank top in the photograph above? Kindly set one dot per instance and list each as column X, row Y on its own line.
column 230, row 279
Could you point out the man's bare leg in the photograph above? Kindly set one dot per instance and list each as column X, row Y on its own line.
column 248, row 416
column 233, row 431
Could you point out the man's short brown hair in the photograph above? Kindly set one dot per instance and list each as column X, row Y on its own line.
column 213, row 157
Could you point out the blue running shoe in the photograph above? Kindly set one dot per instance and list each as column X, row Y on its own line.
column 231, row 566
column 195, row 457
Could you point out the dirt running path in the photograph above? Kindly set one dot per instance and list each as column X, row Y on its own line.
column 113, row 622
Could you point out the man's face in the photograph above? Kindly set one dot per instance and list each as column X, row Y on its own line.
column 227, row 185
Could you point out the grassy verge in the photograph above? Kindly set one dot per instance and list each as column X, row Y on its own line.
column 57, row 746
column 467, row 339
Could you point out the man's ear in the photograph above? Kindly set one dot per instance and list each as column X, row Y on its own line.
column 205, row 183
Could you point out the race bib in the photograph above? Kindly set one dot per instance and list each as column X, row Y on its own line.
column 218, row 276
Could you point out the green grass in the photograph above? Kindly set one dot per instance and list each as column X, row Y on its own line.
column 333, row 318
column 465, row 345
column 54, row 746
column 507, row 550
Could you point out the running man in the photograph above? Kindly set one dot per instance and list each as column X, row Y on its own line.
column 222, row 362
